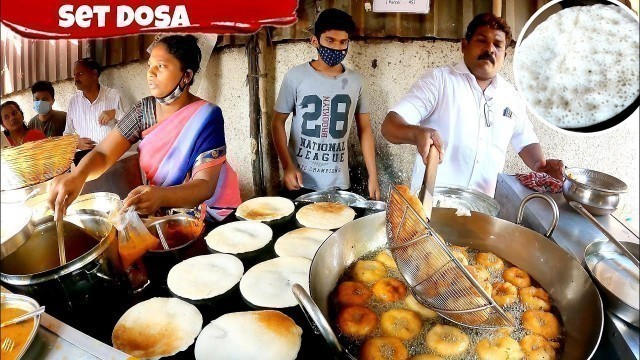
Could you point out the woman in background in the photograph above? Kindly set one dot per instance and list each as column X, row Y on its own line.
column 15, row 130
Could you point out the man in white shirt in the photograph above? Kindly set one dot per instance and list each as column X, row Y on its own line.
column 470, row 111
column 94, row 109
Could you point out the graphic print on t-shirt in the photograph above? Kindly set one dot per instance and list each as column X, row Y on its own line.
column 323, row 143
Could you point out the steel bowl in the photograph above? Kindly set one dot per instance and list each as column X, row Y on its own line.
column 598, row 192
column 179, row 230
column 452, row 196
column 27, row 304
column 616, row 277
column 182, row 233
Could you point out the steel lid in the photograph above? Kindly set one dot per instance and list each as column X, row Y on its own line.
column 614, row 271
column 16, row 227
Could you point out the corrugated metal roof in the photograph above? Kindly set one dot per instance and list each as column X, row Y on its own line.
column 25, row 61
column 447, row 19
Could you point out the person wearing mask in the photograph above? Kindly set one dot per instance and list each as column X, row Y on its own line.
column 15, row 130
column 50, row 122
column 182, row 144
column 93, row 111
column 325, row 98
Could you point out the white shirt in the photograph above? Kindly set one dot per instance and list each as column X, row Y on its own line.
column 450, row 100
column 82, row 115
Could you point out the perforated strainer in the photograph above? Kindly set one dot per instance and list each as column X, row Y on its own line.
column 435, row 277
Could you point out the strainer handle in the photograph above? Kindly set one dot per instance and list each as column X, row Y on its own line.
column 315, row 317
column 554, row 209
column 429, row 181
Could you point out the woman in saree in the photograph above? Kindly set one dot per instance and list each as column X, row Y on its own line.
column 182, row 145
column 16, row 131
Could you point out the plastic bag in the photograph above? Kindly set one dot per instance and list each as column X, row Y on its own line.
column 134, row 240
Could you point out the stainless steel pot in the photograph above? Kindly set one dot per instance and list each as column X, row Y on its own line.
column 557, row 272
column 598, row 192
column 80, row 282
column 104, row 254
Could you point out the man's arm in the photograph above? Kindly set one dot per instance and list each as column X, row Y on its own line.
column 534, row 159
column 363, row 124
column 68, row 126
column 292, row 178
column 397, row 131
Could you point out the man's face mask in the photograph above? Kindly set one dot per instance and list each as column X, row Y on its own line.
column 42, row 107
column 331, row 57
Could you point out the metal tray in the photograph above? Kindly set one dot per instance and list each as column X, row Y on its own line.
column 341, row 196
column 616, row 276
column 25, row 303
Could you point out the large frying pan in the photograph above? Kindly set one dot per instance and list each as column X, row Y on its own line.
column 557, row 272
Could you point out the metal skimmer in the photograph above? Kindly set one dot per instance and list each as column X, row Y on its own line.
column 435, row 277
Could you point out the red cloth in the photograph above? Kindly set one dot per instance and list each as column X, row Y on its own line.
column 32, row 135
column 540, row 182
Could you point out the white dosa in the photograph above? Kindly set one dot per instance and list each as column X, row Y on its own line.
column 325, row 215
column 205, row 276
column 268, row 284
column 579, row 67
column 267, row 208
column 264, row 335
column 303, row 242
column 157, row 328
column 239, row 237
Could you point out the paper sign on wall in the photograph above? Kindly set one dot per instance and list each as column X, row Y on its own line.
column 404, row 6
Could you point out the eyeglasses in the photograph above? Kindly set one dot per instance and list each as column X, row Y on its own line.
column 488, row 114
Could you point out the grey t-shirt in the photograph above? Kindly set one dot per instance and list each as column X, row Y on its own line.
column 54, row 126
column 323, row 110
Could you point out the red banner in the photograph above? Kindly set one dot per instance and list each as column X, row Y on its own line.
column 78, row 19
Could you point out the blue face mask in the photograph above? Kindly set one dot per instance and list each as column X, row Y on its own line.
column 331, row 57
column 42, row 107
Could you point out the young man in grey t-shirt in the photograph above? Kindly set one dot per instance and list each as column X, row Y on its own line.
column 324, row 97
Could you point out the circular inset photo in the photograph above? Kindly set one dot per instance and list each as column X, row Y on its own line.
column 577, row 64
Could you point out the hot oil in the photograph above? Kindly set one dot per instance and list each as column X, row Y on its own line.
column 417, row 345
column 40, row 252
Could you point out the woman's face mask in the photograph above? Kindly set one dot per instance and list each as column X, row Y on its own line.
column 173, row 95
column 42, row 107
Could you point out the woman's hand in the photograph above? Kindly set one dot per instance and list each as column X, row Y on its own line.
column 374, row 188
column 64, row 189
column 146, row 199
